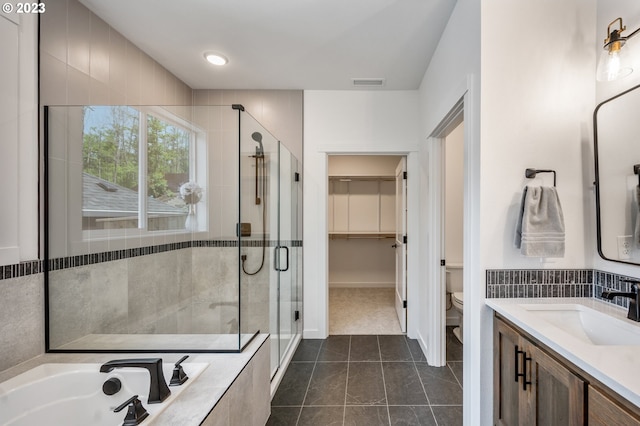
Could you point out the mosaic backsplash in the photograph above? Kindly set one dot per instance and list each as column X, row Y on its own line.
column 507, row 283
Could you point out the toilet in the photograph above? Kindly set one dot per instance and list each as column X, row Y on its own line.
column 457, row 302
column 454, row 288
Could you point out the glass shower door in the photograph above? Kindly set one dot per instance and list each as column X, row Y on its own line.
column 287, row 253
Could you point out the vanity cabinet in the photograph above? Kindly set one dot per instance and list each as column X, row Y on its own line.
column 535, row 386
column 530, row 386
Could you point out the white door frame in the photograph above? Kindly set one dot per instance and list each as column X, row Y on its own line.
column 478, row 347
column 436, row 272
column 413, row 227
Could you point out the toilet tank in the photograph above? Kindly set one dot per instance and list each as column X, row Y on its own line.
column 454, row 278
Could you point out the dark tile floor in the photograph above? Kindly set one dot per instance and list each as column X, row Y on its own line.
column 369, row 380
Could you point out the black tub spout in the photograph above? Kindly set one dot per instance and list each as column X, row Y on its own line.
column 158, row 390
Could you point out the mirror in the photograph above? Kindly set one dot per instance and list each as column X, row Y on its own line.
column 617, row 162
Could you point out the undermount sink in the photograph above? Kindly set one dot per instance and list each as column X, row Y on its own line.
column 587, row 324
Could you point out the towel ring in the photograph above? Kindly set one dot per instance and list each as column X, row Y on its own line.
column 531, row 173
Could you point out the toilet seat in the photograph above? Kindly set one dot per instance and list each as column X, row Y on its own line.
column 457, row 299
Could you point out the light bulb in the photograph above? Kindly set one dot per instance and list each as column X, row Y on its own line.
column 612, row 64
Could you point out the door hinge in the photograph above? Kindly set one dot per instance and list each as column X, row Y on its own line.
column 296, row 177
column 296, row 315
column 404, row 239
column 404, row 175
column 442, row 262
column 404, row 304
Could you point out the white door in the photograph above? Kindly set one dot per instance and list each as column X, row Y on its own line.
column 400, row 244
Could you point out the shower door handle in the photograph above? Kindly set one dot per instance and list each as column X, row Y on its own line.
column 277, row 259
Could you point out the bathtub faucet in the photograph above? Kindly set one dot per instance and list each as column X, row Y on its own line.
column 158, row 390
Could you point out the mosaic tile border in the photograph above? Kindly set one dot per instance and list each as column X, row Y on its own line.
column 21, row 269
column 510, row 283
column 38, row 266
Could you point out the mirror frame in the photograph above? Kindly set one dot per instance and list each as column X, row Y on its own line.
column 597, row 176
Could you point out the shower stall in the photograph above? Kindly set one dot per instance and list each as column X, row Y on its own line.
column 169, row 229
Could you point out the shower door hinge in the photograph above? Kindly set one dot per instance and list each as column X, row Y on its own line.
column 442, row 262
column 404, row 304
column 404, row 239
column 404, row 175
column 296, row 177
column 296, row 315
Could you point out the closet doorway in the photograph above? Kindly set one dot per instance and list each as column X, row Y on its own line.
column 367, row 244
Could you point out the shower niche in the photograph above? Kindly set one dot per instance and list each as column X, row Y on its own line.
column 144, row 252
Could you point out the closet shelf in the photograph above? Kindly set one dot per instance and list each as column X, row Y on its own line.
column 361, row 235
column 348, row 178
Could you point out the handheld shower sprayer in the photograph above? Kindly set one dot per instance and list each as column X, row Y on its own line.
column 260, row 200
column 257, row 136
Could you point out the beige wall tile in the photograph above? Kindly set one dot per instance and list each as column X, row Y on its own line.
column 171, row 90
column 133, row 55
column 21, row 319
column 79, row 36
column 100, row 49
column 53, row 80
column 78, row 87
column 147, row 77
column 201, row 97
column 53, row 23
column 117, row 62
column 98, row 92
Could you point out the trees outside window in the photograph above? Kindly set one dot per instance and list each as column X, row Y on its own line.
column 134, row 162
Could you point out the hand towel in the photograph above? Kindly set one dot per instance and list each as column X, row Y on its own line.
column 542, row 223
column 517, row 242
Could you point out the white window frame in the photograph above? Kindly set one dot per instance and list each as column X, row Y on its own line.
column 197, row 146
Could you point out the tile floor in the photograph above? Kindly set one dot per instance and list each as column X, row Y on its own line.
column 363, row 311
column 369, row 380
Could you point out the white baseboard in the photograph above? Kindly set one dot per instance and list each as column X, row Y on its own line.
column 361, row 285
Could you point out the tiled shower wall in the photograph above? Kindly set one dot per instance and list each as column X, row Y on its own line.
column 84, row 61
column 171, row 290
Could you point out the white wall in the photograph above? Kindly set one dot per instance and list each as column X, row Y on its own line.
column 537, row 103
column 350, row 122
column 454, row 73
column 536, row 108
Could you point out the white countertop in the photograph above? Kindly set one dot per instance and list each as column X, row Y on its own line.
column 616, row 366
column 192, row 405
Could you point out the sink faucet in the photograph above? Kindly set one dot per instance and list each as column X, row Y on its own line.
column 634, row 295
column 158, row 390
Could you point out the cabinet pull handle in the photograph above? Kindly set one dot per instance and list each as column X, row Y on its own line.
column 525, row 382
column 517, row 363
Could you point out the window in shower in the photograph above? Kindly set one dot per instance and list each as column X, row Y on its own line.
column 134, row 162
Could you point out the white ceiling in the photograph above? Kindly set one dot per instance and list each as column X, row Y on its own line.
column 284, row 44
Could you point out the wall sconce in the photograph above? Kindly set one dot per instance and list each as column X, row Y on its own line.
column 612, row 64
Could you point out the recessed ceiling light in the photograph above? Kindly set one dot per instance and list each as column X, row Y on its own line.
column 215, row 58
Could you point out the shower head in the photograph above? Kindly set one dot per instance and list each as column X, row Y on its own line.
column 257, row 136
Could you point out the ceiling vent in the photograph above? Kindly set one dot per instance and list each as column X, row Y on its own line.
column 368, row 82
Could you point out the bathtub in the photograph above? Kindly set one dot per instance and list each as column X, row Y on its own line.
column 71, row 394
